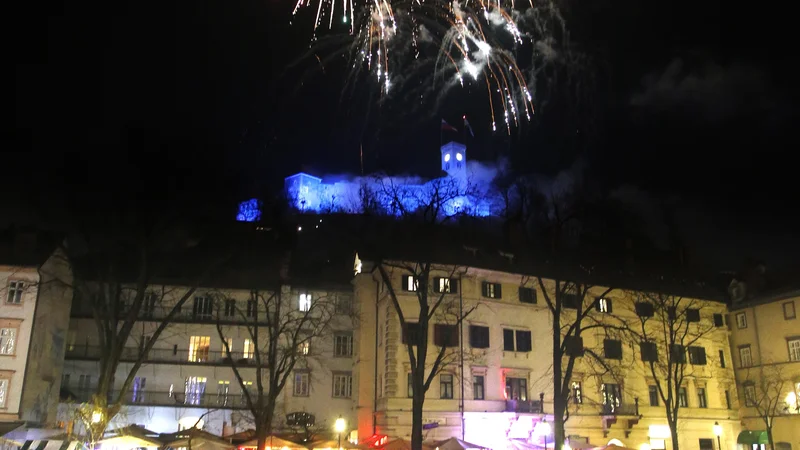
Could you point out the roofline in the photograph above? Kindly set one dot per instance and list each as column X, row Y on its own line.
column 303, row 173
column 765, row 299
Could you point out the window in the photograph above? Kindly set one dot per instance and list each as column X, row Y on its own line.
column 248, row 349
column 202, row 308
column 84, row 382
column 478, row 387
column 4, row 382
column 697, row 356
column 410, row 386
column 701, row 398
column 527, row 295
column 577, row 393
column 649, row 351
column 788, row 311
column 745, row 358
column 794, row 349
column 343, row 345
column 198, row 348
column 15, row 289
column 516, row 389
column 644, row 309
column 8, row 341
column 570, row 300
column 603, row 305
column 194, row 390
column 344, row 304
column 749, row 395
column 692, row 315
column 412, row 333
column 718, row 320
column 301, row 384
column 612, row 349
column 683, row 399
column 522, row 343
column 342, row 385
column 252, row 308
column 410, row 283
column 741, row 320
column 230, row 307
column 653, row 393
column 706, row 444
column 445, row 285
column 612, row 397
column 722, row 358
column 491, row 290
column 677, row 353
column 728, row 399
column 304, row 303
column 150, row 304
column 445, row 385
column 229, row 347
column 478, row 336
column 223, row 387
column 445, row 335
column 137, row 395
column 304, row 347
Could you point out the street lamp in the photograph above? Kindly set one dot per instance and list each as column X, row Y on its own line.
column 718, row 433
column 97, row 416
column 339, row 426
column 545, row 429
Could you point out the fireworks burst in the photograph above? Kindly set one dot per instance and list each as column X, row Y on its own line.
column 474, row 42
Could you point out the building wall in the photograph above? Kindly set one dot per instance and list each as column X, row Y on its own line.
column 171, row 368
column 491, row 422
column 767, row 332
column 39, row 402
column 19, row 317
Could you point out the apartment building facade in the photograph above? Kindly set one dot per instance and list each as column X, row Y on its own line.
column 35, row 300
column 187, row 377
column 503, row 395
column 765, row 341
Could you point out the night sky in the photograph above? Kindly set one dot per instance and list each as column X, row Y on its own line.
column 221, row 100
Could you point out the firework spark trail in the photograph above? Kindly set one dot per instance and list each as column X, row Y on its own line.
column 470, row 35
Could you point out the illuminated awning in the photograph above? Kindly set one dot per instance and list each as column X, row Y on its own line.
column 52, row 445
column 752, row 437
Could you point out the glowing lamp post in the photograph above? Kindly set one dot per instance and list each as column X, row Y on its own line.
column 718, row 433
column 339, row 426
column 544, row 428
column 97, row 416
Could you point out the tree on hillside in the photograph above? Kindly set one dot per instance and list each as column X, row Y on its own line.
column 765, row 390
column 670, row 331
column 427, row 296
column 115, row 273
column 285, row 334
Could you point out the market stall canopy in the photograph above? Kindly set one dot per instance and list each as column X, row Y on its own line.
column 200, row 440
column 276, row 443
column 453, row 444
column 402, row 444
column 612, row 447
column 334, row 444
column 131, row 437
column 752, row 437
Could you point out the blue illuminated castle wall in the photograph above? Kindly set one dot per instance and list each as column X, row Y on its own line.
column 472, row 182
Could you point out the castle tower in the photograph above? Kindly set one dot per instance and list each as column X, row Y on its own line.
column 454, row 159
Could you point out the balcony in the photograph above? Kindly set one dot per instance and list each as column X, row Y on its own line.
column 185, row 315
column 174, row 399
column 524, row 406
column 623, row 409
column 164, row 356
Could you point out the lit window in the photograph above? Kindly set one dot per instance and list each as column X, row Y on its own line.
column 15, row 289
column 577, row 393
column 194, row 390
column 305, row 302
column 248, row 349
column 3, row 392
column 198, row 348
column 604, row 305
column 8, row 341
column 410, row 283
column 223, row 387
column 447, row 157
column 305, row 347
column 794, row 350
column 459, row 157
column 342, row 385
column 301, row 384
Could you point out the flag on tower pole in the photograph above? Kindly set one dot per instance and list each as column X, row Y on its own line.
column 445, row 127
column 468, row 127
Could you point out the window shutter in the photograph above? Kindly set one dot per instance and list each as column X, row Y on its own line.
column 437, row 284
column 610, row 305
column 485, row 289
column 498, row 290
column 454, row 285
column 405, row 282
